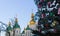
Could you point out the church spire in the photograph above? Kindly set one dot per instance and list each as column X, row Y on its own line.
column 16, row 23
column 9, row 23
column 16, row 19
column 32, row 16
column 32, row 22
column 9, row 28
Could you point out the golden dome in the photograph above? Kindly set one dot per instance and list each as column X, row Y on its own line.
column 32, row 22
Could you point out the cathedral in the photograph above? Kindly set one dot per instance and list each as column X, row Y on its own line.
column 16, row 30
column 46, row 21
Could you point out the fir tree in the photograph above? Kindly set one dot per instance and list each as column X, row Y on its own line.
column 49, row 17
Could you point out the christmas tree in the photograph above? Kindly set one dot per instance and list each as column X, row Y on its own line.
column 48, row 17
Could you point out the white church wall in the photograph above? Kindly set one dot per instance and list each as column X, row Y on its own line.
column 3, row 33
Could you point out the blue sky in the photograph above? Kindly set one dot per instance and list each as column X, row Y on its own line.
column 23, row 9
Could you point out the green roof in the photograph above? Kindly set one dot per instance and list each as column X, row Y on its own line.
column 9, row 28
column 28, row 28
column 16, row 25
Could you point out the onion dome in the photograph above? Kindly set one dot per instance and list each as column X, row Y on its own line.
column 32, row 22
column 28, row 28
column 9, row 28
column 16, row 24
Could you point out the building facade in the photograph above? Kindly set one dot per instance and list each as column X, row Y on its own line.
column 16, row 30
